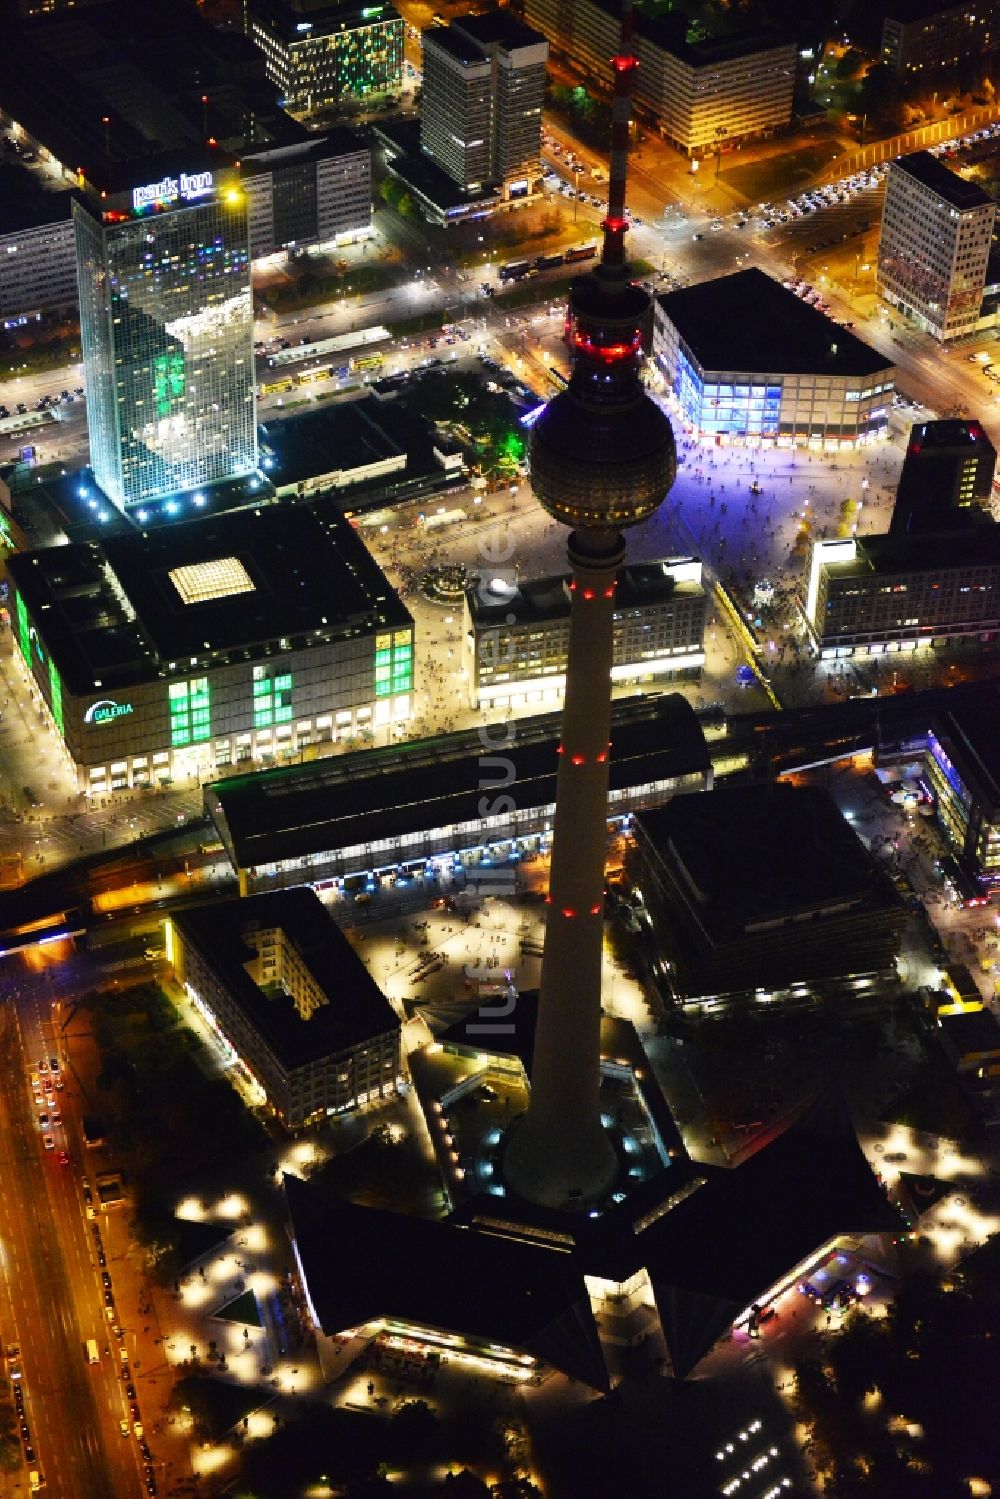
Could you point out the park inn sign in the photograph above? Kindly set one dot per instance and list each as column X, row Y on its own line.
column 169, row 189
column 105, row 710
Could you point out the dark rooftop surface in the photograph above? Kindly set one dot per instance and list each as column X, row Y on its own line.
column 145, row 67
column 24, row 203
column 308, row 569
column 915, row 10
column 755, row 853
column 498, row 26
column 961, row 545
column 381, row 793
column 974, row 1031
column 321, row 16
column 947, row 435
column 548, row 598
column 748, row 321
column 453, row 40
column 338, row 141
column 713, row 1239
column 933, row 174
column 971, row 726
column 357, row 1008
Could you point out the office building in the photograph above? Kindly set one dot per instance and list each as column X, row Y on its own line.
column 761, row 889
column 316, row 193
column 481, row 109
column 963, row 767
column 702, row 94
column 37, row 248
column 749, row 362
column 876, row 595
column 949, row 466
column 166, row 321
column 297, row 1011
column 321, row 55
column 934, row 245
column 385, row 812
column 718, row 92
column 248, row 636
column 516, row 635
column 922, row 37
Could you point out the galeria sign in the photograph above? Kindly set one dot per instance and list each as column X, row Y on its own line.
column 105, row 710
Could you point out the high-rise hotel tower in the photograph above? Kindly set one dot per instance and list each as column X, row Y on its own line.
column 166, row 315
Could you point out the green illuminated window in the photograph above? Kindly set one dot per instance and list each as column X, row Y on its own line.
column 272, row 698
column 393, row 667
column 168, row 380
column 23, row 629
column 55, row 696
column 190, row 712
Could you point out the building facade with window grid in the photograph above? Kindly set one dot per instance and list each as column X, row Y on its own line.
column 291, row 1001
column 702, row 94
column 253, row 637
column 308, row 194
column 166, row 323
column 320, row 56
column 516, row 636
column 921, row 37
column 934, row 245
column 878, row 595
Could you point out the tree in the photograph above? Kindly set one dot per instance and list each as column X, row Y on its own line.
column 391, row 191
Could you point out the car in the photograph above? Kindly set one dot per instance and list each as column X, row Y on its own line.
column 137, row 1429
column 43, row 1121
column 101, row 1257
column 25, row 1431
column 130, row 1391
column 106, row 1280
column 63, row 1158
column 54, row 1064
column 60, row 1085
column 123, row 1428
column 109, row 1298
column 154, row 954
column 123, row 1355
column 808, row 1289
column 43, row 1066
column 56, row 1117
column 30, row 1455
column 49, row 1143
column 144, row 1448
column 697, row 236
column 134, row 1409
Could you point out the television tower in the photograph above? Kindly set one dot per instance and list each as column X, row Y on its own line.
column 602, row 458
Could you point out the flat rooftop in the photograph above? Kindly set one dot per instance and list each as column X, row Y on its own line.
column 975, row 1031
column 25, row 204
column 748, row 321
column 338, row 141
column 501, row 27
column 934, row 175
column 970, row 728
column 294, row 23
column 540, row 599
column 976, row 542
column 356, row 1009
column 361, row 797
column 952, row 435
column 115, row 612
column 143, row 67
column 750, row 855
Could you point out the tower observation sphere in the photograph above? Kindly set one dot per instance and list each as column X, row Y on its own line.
column 602, row 458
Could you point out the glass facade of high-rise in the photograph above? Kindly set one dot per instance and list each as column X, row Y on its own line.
column 166, row 316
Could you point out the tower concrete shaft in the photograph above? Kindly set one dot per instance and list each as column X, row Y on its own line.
column 560, row 1156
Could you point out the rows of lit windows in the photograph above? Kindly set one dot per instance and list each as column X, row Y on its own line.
column 393, row 663
column 272, row 698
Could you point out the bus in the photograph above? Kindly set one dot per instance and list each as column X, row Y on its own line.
column 93, row 1357
column 549, row 262
column 368, row 362
column 515, row 271
column 272, row 387
column 557, row 377
column 582, row 252
column 310, row 377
